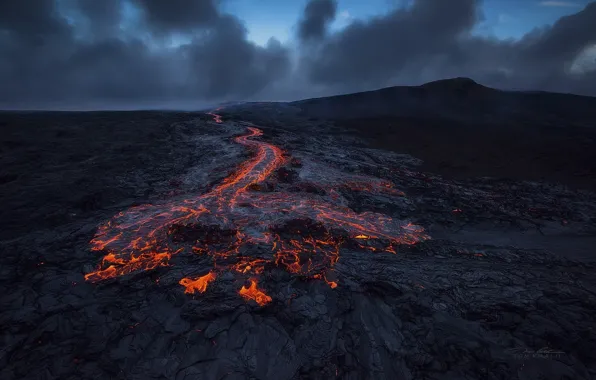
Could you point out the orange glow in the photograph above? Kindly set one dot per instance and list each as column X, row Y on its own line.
column 199, row 284
column 216, row 117
column 332, row 284
column 253, row 293
column 245, row 210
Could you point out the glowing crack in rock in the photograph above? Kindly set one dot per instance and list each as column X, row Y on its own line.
column 302, row 232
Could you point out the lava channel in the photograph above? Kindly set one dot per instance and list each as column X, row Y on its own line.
column 301, row 233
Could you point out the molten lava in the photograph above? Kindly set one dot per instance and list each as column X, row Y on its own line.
column 199, row 284
column 302, row 232
column 216, row 117
column 255, row 294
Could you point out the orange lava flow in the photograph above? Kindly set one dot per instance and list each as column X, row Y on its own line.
column 216, row 117
column 199, row 284
column 247, row 230
column 253, row 293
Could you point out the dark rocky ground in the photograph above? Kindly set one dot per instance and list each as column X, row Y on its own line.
column 504, row 289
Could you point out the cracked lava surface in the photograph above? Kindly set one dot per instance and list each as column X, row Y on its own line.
column 509, row 270
column 303, row 235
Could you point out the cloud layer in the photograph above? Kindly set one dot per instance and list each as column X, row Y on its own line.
column 186, row 53
column 317, row 16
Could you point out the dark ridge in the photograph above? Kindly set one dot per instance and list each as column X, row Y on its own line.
column 457, row 82
column 461, row 86
column 457, row 99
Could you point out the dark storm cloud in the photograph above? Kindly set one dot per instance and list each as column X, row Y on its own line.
column 433, row 40
column 102, row 17
column 225, row 63
column 80, row 55
column 555, row 47
column 118, row 53
column 371, row 53
column 30, row 19
column 317, row 16
column 178, row 15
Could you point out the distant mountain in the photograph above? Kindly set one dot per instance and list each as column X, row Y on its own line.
column 458, row 99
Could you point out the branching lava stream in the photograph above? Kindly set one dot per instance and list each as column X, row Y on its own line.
column 301, row 233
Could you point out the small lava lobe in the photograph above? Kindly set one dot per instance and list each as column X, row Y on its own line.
column 198, row 284
column 254, row 293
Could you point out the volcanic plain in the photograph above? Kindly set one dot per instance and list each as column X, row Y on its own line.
column 446, row 231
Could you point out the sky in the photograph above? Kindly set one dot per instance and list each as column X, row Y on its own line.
column 189, row 54
column 504, row 18
column 267, row 18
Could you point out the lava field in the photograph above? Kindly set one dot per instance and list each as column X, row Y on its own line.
column 203, row 246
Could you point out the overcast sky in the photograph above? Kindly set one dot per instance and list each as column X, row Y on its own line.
column 119, row 54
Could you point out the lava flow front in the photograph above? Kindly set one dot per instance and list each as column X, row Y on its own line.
column 246, row 230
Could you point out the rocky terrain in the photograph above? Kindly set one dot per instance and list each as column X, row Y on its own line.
column 259, row 242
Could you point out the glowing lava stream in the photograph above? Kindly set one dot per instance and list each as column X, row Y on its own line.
column 298, row 230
